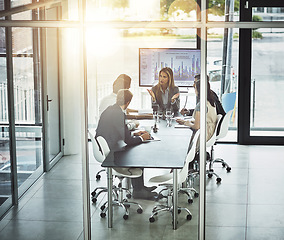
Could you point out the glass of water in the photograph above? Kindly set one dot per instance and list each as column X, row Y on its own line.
column 169, row 117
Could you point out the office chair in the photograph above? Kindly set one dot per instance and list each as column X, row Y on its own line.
column 166, row 181
column 99, row 158
column 224, row 128
column 120, row 173
column 209, row 144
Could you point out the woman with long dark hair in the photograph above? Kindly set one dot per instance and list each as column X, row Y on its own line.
column 211, row 116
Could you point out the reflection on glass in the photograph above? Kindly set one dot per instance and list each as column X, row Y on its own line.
column 2, row 48
column 1, row 4
column 268, row 14
column 5, row 167
column 27, row 15
column 15, row 3
column 119, row 49
column 219, row 11
column 147, row 10
column 222, row 69
column 53, row 93
column 267, row 85
column 28, row 124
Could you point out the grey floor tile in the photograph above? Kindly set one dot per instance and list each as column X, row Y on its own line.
column 225, row 233
column 136, row 227
column 41, row 209
column 227, row 193
column 265, row 176
column 266, row 157
column 265, row 193
column 35, row 230
column 185, row 230
column 62, row 189
column 235, row 155
column 265, row 233
column 265, row 216
column 226, row 215
column 3, row 224
column 236, row 176
column 248, row 204
column 65, row 171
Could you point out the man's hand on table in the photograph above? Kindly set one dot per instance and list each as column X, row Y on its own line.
column 144, row 134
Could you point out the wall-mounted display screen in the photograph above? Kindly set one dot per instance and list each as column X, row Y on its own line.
column 185, row 63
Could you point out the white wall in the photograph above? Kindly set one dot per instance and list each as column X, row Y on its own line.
column 71, row 82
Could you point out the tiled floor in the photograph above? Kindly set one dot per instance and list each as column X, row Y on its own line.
column 248, row 204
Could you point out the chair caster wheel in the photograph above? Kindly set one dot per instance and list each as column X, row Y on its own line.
column 196, row 194
column 93, row 193
column 218, row 180
column 125, row 217
column 103, row 215
column 190, row 201
column 139, row 210
column 103, row 208
column 228, row 169
column 179, row 211
column 128, row 195
column 188, row 217
column 160, row 196
column 98, row 177
column 151, row 219
column 210, row 175
column 94, row 200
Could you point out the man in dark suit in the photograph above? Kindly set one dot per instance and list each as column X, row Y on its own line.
column 112, row 127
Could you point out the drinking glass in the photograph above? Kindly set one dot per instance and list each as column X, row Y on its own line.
column 169, row 117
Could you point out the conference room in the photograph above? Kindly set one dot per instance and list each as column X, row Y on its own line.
column 60, row 59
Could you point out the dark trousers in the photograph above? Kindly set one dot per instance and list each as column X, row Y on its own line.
column 138, row 183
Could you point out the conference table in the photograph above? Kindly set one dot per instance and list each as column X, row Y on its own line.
column 168, row 153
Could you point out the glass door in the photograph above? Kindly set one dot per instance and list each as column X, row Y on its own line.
column 263, row 76
column 51, row 91
column 5, row 162
column 267, row 75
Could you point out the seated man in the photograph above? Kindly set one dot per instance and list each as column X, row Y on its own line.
column 123, row 81
column 112, row 127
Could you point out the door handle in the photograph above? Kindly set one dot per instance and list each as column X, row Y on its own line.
column 47, row 102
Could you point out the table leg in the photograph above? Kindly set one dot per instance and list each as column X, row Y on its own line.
column 109, row 196
column 175, row 199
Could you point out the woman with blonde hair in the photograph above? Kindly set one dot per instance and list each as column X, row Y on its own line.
column 166, row 94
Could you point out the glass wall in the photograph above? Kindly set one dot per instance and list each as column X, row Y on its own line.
column 223, row 10
column 147, row 10
column 16, row 3
column 267, row 74
column 5, row 170
column 28, row 122
column 27, row 119
column 112, row 52
column 222, row 69
column 267, row 84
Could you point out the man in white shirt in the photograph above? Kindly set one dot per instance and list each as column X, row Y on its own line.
column 123, row 81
